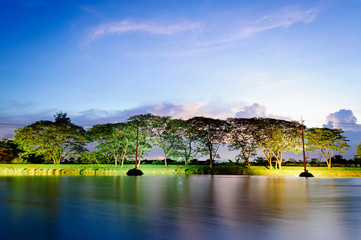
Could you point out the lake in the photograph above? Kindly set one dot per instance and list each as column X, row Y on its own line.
column 179, row 207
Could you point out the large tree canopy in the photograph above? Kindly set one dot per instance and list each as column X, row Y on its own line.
column 189, row 144
column 326, row 141
column 276, row 136
column 212, row 133
column 113, row 142
column 166, row 133
column 242, row 137
column 197, row 136
column 54, row 141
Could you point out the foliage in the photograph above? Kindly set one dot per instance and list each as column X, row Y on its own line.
column 242, row 137
column 54, row 141
column 326, row 141
column 358, row 151
column 113, row 142
column 8, row 150
column 145, row 139
column 188, row 144
column 274, row 136
column 165, row 134
column 212, row 133
column 178, row 139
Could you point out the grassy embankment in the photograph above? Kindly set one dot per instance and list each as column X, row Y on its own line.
column 149, row 170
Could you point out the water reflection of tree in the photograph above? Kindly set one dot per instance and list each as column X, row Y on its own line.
column 28, row 210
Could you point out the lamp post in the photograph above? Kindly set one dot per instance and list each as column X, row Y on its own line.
column 135, row 171
column 305, row 173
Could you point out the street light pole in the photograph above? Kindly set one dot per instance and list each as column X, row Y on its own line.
column 303, row 147
column 305, row 173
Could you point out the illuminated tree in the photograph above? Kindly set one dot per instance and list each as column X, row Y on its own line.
column 276, row 136
column 112, row 141
column 145, row 140
column 54, row 141
column 358, row 151
column 326, row 141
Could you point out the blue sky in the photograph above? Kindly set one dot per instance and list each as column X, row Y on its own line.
column 102, row 61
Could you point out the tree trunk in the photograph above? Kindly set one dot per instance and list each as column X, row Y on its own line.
column 140, row 157
column 280, row 161
column 165, row 160
column 329, row 163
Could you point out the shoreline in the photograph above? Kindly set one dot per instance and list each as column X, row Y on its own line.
column 157, row 170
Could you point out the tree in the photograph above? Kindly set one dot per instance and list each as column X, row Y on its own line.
column 54, row 141
column 166, row 134
column 276, row 136
column 212, row 134
column 358, row 151
column 145, row 141
column 112, row 141
column 242, row 138
column 8, row 150
column 188, row 145
column 326, row 141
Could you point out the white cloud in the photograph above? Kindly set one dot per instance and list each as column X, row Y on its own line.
column 255, row 110
column 343, row 119
column 211, row 31
column 149, row 27
column 221, row 110
column 283, row 18
column 250, row 111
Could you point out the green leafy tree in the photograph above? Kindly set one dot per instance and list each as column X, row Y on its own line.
column 358, row 151
column 113, row 142
column 145, row 140
column 212, row 133
column 54, row 141
column 8, row 150
column 276, row 136
column 166, row 133
column 242, row 138
column 326, row 141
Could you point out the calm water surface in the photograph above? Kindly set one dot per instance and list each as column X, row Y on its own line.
column 179, row 207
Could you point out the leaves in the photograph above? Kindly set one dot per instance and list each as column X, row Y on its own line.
column 326, row 141
column 54, row 141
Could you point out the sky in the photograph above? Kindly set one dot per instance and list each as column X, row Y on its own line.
column 103, row 61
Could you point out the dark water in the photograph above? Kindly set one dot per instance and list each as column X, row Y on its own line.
column 178, row 207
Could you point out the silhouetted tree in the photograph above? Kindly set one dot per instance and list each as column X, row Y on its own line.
column 189, row 144
column 242, row 137
column 212, row 133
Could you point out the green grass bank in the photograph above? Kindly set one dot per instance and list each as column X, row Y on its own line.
column 153, row 170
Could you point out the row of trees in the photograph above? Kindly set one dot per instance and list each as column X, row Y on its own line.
column 55, row 141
